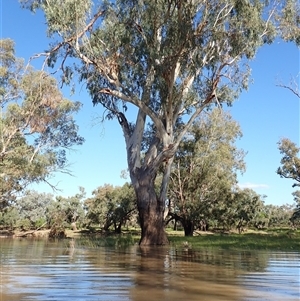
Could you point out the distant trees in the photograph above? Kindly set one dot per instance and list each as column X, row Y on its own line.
column 32, row 208
column 35, row 210
column 66, row 211
column 111, row 206
column 36, row 125
column 237, row 209
column 9, row 218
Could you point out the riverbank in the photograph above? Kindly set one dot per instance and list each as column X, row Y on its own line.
column 276, row 239
column 247, row 241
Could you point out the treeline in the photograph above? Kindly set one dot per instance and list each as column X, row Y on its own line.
column 113, row 208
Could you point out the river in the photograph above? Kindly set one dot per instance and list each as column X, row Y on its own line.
column 43, row 270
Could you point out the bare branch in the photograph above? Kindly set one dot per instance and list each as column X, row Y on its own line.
column 293, row 90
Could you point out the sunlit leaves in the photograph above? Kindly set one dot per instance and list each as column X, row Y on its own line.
column 64, row 17
column 290, row 21
column 36, row 125
column 111, row 206
column 290, row 162
column 205, row 166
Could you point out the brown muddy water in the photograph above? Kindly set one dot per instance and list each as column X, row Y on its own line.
column 50, row 270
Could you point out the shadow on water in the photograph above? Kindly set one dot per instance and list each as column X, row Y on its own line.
column 59, row 270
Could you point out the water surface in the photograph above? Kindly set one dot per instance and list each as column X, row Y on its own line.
column 50, row 270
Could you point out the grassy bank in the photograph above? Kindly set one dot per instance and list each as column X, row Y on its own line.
column 278, row 239
column 248, row 241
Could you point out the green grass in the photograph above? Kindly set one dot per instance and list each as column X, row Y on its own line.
column 278, row 239
column 285, row 241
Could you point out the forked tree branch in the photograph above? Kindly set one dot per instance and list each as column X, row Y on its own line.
column 293, row 90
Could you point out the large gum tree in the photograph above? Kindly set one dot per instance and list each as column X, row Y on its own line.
column 165, row 60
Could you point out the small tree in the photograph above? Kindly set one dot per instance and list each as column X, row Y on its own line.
column 111, row 206
column 246, row 205
column 98, row 207
column 125, row 207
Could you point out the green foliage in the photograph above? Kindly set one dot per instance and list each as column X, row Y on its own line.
column 32, row 207
column 290, row 169
column 290, row 162
column 248, row 241
column 36, row 125
column 9, row 217
column 277, row 216
column 111, row 206
column 64, row 211
column 289, row 21
column 238, row 209
column 295, row 219
column 205, row 168
column 23, row 224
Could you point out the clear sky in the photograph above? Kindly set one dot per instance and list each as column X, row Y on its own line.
column 265, row 113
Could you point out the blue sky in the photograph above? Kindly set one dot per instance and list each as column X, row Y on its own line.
column 265, row 113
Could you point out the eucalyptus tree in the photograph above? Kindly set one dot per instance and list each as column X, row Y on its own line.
column 36, row 125
column 98, row 206
column 290, row 162
column 164, row 61
column 111, row 206
column 125, row 208
column 244, row 207
column 65, row 212
column 205, row 168
column 32, row 208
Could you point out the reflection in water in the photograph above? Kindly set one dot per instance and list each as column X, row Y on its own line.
column 281, row 278
column 58, row 270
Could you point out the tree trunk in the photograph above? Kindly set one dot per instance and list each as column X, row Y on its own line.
column 118, row 228
column 151, row 213
column 175, row 225
column 188, row 227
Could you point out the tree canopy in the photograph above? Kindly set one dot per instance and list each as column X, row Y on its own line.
column 36, row 125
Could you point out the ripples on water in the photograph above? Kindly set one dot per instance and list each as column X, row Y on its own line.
column 49, row 270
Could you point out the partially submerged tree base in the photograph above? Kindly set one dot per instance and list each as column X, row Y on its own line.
column 153, row 233
column 151, row 210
